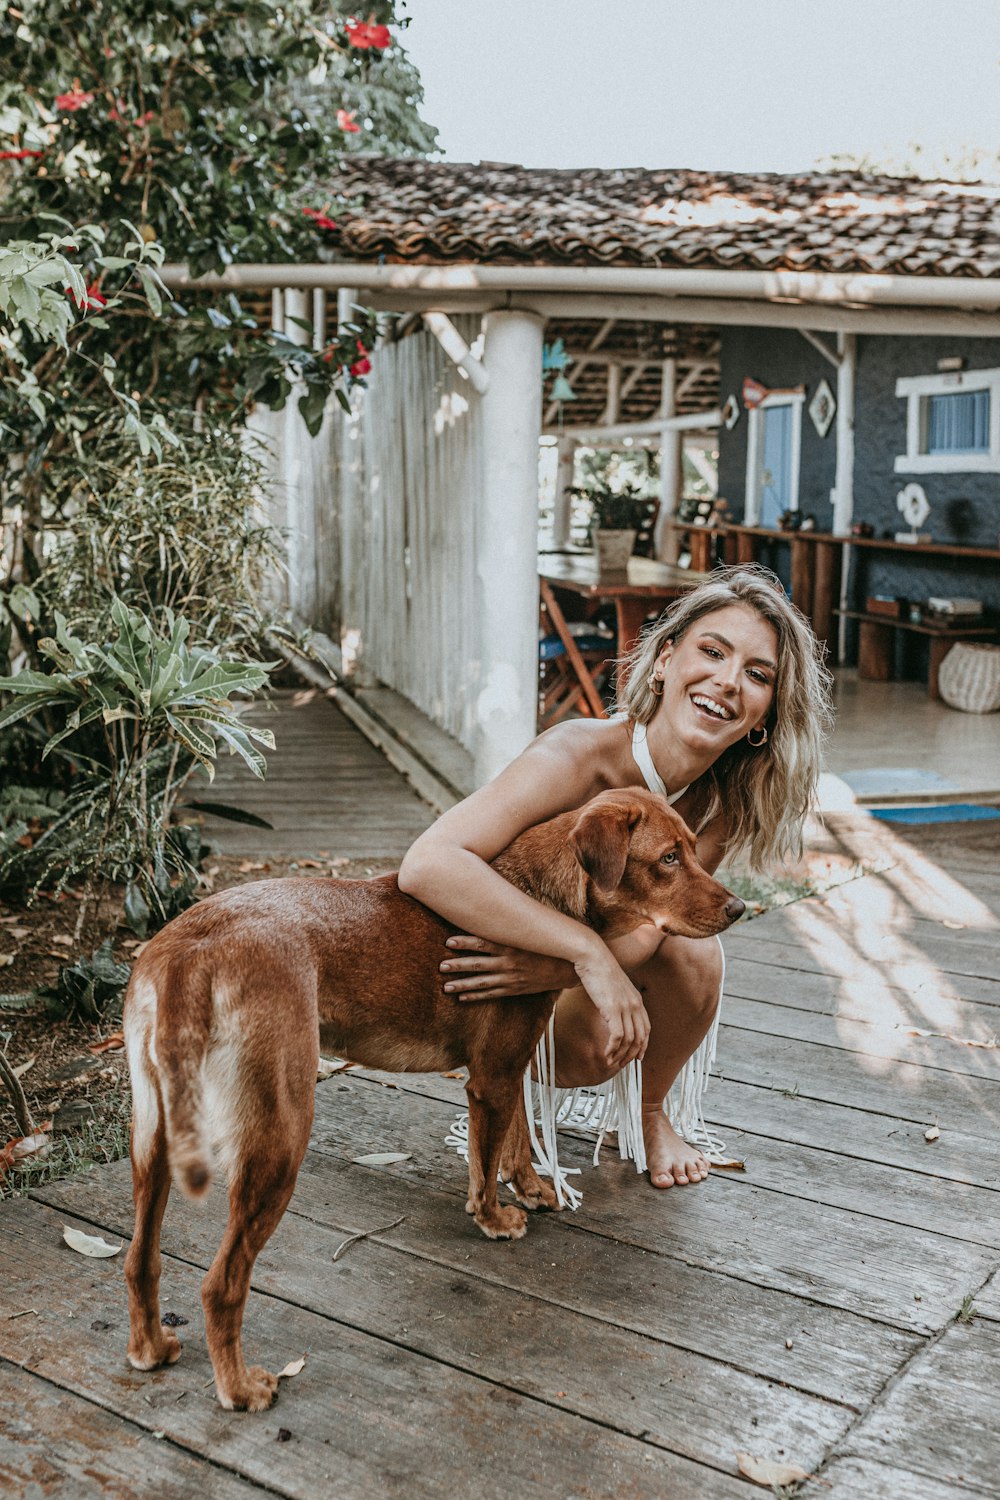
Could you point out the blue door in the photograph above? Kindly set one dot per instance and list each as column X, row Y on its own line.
column 776, row 463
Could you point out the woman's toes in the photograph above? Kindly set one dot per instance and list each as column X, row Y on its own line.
column 661, row 1179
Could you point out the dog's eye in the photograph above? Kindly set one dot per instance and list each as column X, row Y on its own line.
column 669, row 859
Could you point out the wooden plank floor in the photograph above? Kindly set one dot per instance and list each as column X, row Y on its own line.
column 804, row 1310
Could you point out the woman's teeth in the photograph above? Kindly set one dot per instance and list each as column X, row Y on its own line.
column 710, row 706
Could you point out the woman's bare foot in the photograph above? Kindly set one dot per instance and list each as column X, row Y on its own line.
column 669, row 1159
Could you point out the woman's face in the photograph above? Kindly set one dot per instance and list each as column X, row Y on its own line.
column 719, row 678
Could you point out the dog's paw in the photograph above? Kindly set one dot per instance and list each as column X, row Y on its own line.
column 150, row 1354
column 506, row 1223
column 254, row 1393
column 535, row 1193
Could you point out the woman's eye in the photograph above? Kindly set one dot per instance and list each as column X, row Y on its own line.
column 711, row 651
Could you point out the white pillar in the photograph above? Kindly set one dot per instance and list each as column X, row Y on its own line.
column 295, row 466
column 563, row 503
column 671, row 449
column 843, row 498
column 352, row 528
column 507, row 542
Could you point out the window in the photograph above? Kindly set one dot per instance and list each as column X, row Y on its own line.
column 952, row 422
column 773, row 448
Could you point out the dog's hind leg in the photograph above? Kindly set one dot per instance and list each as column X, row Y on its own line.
column 262, row 1178
column 149, row 1343
column 492, row 1099
column 517, row 1168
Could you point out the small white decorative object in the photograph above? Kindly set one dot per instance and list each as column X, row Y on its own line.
column 913, row 506
column 969, row 677
column 823, row 408
column 730, row 413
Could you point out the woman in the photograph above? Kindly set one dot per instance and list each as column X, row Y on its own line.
column 724, row 709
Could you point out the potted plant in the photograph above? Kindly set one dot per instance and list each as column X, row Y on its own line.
column 616, row 515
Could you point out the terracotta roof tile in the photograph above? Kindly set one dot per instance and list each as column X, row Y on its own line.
column 405, row 209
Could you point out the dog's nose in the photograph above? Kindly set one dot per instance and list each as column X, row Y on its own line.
column 734, row 908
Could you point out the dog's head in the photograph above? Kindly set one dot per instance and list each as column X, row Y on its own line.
column 642, row 864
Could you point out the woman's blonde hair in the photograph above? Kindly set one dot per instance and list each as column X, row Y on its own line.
column 766, row 792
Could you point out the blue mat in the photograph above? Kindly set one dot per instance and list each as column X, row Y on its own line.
column 955, row 812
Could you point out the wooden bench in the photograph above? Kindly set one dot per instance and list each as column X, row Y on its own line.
column 876, row 642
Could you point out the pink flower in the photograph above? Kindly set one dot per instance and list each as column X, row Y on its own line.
column 92, row 298
column 319, row 218
column 19, row 155
column 363, row 34
column 363, row 365
column 345, row 121
column 74, row 100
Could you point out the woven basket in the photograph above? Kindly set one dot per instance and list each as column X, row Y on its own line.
column 969, row 678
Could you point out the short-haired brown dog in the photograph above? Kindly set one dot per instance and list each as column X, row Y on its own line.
column 229, row 1004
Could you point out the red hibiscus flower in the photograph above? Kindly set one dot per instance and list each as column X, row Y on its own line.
column 74, row 100
column 363, row 365
column 92, row 298
column 363, row 34
column 345, row 121
column 319, row 218
column 19, row 155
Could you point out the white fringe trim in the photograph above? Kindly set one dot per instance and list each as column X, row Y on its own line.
column 614, row 1106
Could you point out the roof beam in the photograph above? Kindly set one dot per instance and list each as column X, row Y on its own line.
column 822, row 346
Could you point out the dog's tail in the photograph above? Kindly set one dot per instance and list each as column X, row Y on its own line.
column 171, row 1011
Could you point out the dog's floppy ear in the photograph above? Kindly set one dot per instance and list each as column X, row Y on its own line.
column 600, row 842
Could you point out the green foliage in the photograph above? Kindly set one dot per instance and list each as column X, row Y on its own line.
column 621, row 508
column 89, row 990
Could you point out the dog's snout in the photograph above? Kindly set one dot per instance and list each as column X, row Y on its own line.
column 734, row 908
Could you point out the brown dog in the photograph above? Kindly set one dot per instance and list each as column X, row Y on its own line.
column 229, row 1004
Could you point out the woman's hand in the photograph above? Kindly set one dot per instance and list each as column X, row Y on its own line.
column 619, row 1004
column 479, row 970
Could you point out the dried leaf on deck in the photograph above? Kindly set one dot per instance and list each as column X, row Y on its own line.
column 20, row 1147
column 329, row 1066
column 22, row 1068
column 733, row 1165
column 380, row 1158
column 292, row 1368
column 252, row 864
column 932, row 1134
column 955, row 926
column 112, row 1043
column 311, row 864
column 89, row 1244
column 6, row 959
column 453, row 1075
column 769, row 1471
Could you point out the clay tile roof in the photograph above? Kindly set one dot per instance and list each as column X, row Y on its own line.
column 441, row 212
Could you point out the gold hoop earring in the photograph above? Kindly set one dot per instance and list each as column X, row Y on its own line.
column 756, row 744
column 652, row 680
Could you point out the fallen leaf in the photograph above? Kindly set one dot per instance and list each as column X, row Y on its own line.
column 768, row 1471
column 20, row 932
column 933, row 1134
column 311, row 864
column 88, row 1244
column 729, row 1166
column 6, row 959
column 251, row 864
column 20, row 1147
column 339, row 863
column 20, row 1071
column 283, row 1435
column 453, row 1075
column 292, row 1368
column 955, row 926
column 962, row 1041
column 381, row 1158
column 64, row 939
column 110, row 1044
column 329, row 1066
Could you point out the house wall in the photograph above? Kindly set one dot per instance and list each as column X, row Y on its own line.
column 965, row 508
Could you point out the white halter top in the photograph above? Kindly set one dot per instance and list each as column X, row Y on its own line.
column 644, row 760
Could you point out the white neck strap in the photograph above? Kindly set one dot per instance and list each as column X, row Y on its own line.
column 643, row 759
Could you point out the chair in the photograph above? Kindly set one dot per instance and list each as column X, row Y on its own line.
column 560, row 688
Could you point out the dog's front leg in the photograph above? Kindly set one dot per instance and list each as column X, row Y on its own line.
column 517, row 1168
column 491, row 1104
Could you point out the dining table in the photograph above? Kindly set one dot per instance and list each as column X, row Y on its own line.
column 641, row 589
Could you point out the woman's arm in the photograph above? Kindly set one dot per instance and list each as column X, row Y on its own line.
column 448, row 870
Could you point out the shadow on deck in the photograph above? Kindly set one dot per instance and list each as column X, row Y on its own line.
column 804, row 1310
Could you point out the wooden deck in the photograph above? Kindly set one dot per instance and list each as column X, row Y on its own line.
column 805, row 1310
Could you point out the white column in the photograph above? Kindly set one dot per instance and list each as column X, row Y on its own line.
column 507, row 543
column 562, row 504
column 352, row 528
column 843, row 497
column 295, row 467
column 671, row 449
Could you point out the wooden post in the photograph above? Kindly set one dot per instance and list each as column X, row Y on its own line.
column 352, row 530
column 505, row 631
column 666, row 539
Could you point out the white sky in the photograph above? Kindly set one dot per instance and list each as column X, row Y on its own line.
column 767, row 86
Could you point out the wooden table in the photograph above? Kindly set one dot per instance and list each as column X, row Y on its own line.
column 637, row 591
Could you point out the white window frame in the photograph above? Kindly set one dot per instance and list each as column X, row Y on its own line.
column 915, row 389
column 755, row 433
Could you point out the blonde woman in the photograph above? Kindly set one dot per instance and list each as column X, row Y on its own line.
column 724, row 709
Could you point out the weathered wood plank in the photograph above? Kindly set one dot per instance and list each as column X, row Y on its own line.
column 932, row 1004
column 852, row 971
column 632, row 1382
column 964, row 960
column 836, row 1354
column 868, row 1037
column 61, row 1446
column 939, row 1418
column 366, row 1416
column 873, row 1479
